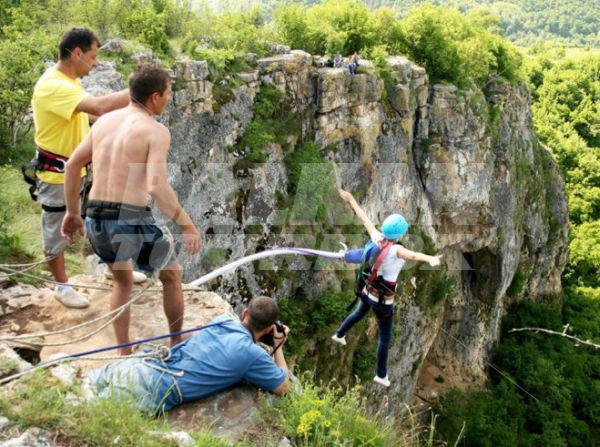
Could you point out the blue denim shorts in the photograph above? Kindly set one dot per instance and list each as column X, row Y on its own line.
column 133, row 235
column 134, row 381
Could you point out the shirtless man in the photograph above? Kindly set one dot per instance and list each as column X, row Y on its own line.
column 128, row 150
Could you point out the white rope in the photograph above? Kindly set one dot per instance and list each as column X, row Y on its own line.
column 17, row 272
column 31, row 264
column 75, row 286
column 261, row 255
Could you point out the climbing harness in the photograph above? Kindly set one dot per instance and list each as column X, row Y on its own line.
column 369, row 282
column 43, row 161
column 50, row 162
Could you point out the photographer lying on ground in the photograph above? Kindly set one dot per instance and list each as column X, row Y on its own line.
column 210, row 361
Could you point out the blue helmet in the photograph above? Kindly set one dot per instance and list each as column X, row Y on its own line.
column 394, row 227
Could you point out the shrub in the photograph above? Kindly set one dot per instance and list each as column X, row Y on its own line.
column 21, row 64
column 148, row 27
column 272, row 122
column 327, row 415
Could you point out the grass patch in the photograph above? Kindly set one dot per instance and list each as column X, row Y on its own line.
column 20, row 231
column 39, row 400
column 311, row 181
column 223, row 92
column 8, row 366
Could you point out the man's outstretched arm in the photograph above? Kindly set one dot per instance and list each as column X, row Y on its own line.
column 72, row 222
column 159, row 188
column 99, row 105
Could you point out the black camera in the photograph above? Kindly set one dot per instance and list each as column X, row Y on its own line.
column 268, row 339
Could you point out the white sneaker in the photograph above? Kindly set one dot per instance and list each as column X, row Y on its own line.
column 67, row 296
column 385, row 381
column 340, row 340
column 138, row 277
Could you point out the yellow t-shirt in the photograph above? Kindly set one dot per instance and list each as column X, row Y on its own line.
column 58, row 127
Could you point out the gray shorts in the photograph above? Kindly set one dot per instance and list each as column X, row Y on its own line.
column 52, row 198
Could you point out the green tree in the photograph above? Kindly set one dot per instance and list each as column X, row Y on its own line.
column 148, row 27
column 291, row 25
column 21, row 64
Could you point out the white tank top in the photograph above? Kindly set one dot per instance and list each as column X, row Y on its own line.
column 392, row 264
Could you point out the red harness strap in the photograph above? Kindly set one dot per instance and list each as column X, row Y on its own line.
column 384, row 251
column 47, row 161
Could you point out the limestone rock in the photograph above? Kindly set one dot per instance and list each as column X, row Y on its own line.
column 65, row 372
column 291, row 62
column 277, row 48
column 146, row 57
column 33, row 437
column 191, row 88
column 408, row 90
column 10, row 357
column 103, row 79
column 180, row 438
column 4, row 423
column 337, row 88
column 112, row 46
column 229, row 413
column 17, row 297
column 251, row 76
column 146, row 321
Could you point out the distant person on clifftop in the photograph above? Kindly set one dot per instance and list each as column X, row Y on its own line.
column 337, row 60
column 381, row 261
column 353, row 63
column 220, row 355
column 62, row 112
column 128, row 150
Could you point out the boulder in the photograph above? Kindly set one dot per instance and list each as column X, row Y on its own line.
column 103, row 79
column 33, row 437
column 230, row 414
column 112, row 46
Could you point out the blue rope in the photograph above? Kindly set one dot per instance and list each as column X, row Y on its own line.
column 108, row 348
column 138, row 342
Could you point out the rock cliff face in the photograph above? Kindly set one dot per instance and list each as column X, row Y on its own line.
column 463, row 166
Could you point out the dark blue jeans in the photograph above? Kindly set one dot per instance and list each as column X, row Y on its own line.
column 385, row 318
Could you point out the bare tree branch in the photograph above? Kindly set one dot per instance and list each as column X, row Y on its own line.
column 566, row 327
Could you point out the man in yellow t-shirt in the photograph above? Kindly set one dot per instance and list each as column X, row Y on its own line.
column 62, row 111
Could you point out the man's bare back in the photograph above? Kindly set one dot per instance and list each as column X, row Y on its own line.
column 128, row 150
column 121, row 144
